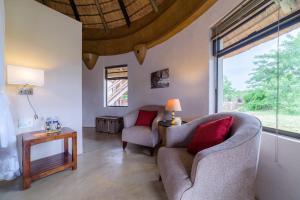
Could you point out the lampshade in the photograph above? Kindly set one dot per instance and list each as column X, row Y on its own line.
column 173, row 105
column 17, row 75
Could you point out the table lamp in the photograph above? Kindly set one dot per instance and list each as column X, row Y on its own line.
column 27, row 78
column 173, row 105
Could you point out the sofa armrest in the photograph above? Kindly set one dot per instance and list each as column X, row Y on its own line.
column 130, row 119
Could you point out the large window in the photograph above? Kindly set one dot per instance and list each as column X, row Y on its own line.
column 258, row 66
column 116, row 79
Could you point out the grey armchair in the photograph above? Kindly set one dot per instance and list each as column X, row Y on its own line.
column 223, row 172
column 142, row 135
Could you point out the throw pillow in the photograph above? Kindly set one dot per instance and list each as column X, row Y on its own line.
column 145, row 118
column 210, row 134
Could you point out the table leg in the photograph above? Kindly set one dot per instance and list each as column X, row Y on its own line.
column 26, row 165
column 74, row 151
column 66, row 146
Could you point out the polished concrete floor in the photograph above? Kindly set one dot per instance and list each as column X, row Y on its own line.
column 104, row 172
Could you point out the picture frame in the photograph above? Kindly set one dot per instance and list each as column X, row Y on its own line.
column 160, row 79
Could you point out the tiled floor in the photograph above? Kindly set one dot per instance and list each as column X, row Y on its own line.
column 104, row 172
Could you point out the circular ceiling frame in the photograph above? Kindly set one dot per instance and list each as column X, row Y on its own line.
column 170, row 21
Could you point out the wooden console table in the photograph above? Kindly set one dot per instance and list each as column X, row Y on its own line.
column 33, row 170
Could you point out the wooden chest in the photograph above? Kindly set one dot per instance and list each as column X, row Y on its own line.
column 109, row 124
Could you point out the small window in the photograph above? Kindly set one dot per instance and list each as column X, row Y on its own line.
column 116, row 79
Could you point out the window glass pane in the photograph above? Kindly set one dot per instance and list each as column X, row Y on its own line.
column 117, row 92
column 289, row 81
column 250, row 82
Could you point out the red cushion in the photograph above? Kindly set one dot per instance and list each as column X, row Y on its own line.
column 210, row 134
column 145, row 118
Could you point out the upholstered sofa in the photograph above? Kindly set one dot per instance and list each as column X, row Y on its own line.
column 226, row 171
column 142, row 135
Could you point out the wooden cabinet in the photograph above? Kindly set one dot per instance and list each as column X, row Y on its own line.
column 109, row 124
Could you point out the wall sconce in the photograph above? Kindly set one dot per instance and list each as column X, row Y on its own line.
column 27, row 77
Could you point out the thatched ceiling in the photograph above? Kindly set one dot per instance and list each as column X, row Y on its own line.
column 104, row 14
column 118, row 26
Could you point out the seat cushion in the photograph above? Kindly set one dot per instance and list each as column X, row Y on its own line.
column 175, row 165
column 210, row 134
column 141, row 135
column 145, row 118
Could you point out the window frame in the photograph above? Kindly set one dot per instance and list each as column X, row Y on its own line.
column 106, row 79
column 273, row 28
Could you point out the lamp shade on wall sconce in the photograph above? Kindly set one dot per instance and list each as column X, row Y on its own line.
column 17, row 75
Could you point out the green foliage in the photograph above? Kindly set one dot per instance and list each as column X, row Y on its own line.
column 256, row 100
column 267, row 77
column 229, row 91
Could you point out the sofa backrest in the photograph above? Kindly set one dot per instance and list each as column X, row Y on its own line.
column 158, row 108
column 244, row 127
column 233, row 162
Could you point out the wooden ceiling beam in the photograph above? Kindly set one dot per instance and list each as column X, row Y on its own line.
column 101, row 15
column 75, row 11
column 124, row 11
column 86, row 5
column 154, row 5
column 55, row 1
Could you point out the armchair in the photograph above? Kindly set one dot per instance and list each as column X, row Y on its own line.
column 142, row 135
column 223, row 172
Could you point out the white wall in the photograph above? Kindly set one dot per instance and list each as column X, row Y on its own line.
column 2, row 39
column 39, row 37
column 187, row 55
column 279, row 179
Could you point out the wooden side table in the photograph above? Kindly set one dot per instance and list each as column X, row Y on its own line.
column 162, row 130
column 33, row 170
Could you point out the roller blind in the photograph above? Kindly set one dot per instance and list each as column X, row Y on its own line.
column 116, row 72
column 250, row 24
column 238, row 16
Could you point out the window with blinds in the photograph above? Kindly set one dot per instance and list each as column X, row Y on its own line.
column 116, row 81
column 257, row 51
column 251, row 21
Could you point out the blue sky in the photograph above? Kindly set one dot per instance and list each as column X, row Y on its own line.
column 238, row 67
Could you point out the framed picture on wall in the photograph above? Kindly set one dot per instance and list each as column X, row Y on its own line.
column 160, row 79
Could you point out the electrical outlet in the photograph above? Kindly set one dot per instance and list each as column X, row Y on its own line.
column 25, row 123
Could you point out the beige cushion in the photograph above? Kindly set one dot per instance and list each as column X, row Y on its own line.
column 141, row 135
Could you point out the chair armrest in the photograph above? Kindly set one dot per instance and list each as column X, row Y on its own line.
column 130, row 119
column 158, row 118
